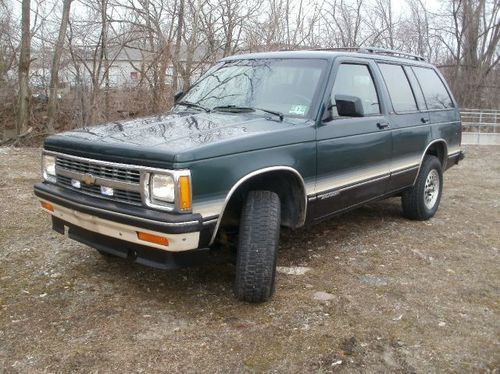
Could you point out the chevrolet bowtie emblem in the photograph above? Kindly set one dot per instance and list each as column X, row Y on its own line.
column 88, row 179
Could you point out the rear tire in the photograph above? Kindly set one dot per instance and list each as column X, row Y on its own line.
column 421, row 201
column 257, row 247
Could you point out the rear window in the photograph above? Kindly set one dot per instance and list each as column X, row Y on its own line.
column 399, row 88
column 435, row 93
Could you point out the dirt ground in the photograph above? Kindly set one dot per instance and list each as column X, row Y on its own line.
column 403, row 296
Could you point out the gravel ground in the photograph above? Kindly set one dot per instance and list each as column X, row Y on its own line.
column 373, row 292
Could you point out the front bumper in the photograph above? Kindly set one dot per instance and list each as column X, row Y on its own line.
column 122, row 222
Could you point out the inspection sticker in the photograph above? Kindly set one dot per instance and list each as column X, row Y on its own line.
column 298, row 109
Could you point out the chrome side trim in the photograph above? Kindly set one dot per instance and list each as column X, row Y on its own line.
column 208, row 208
column 337, row 190
column 405, row 170
column 440, row 140
column 328, row 183
column 166, row 224
column 210, row 221
column 247, row 177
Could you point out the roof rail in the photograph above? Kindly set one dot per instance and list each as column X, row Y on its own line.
column 382, row 51
column 390, row 52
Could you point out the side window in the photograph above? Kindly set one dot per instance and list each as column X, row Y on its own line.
column 435, row 93
column 356, row 80
column 417, row 91
column 399, row 88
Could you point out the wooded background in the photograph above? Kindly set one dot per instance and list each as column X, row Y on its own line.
column 179, row 39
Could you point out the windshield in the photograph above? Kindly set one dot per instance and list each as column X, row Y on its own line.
column 287, row 86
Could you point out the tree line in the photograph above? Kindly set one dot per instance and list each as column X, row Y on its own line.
column 178, row 39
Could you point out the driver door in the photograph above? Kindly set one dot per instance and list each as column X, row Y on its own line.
column 353, row 153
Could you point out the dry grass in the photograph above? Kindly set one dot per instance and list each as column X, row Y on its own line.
column 408, row 296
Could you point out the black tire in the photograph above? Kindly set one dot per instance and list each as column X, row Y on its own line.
column 257, row 247
column 414, row 199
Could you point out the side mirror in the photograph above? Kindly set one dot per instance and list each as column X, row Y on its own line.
column 178, row 95
column 349, row 106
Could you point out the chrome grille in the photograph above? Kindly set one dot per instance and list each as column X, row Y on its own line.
column 123, row 196
column 124, row 181
column 103, row 171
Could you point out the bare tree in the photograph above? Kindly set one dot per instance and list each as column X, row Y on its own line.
column 472, row 41
column 54, row 73
column 23, row 113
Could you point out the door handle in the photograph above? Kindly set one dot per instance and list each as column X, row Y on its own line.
column 424, row 120
column 382, row 125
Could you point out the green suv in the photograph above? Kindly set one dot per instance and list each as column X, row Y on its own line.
column 260, row 141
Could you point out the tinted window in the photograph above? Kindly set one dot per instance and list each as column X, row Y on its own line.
column 435, row 92
column 417, row 91
column 399, row 88
column 356, row 80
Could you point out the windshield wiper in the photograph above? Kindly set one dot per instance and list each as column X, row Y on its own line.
column 193, row 105
column 236, row 108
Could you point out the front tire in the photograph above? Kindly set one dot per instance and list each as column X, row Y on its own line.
column 421, row 201
column 257, row 247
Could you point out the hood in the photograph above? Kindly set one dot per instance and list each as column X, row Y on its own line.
column 179, row 137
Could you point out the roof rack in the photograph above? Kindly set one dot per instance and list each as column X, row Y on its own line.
column 382, row 51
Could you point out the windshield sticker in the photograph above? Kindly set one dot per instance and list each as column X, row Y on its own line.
column 298, row 109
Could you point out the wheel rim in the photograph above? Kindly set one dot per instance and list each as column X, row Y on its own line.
column 431, row 190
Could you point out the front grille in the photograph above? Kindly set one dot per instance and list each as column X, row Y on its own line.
column 125, row 181
column 123, row 196
column 102, row 171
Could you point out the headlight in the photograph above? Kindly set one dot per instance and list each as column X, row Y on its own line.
column 162, row 187
column 49, row 168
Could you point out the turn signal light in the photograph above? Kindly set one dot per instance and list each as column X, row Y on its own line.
column 47, row 206
column 152, row 238
column 184, row 193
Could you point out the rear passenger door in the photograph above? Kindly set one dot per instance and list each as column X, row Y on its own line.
column 353, row 153
column 409, row 120
column 444, row 117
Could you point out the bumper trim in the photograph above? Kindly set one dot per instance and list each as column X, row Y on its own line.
column 128, row 233
column 166, row 224
column 128, row 215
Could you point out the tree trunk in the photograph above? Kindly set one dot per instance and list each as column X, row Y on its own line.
column 54, row 73
column 105, row 57
column 23, row 113
column 177, row 53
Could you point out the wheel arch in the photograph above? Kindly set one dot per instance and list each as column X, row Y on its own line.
column 438, row 148
column 286, row 181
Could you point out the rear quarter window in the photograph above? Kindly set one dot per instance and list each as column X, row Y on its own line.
column 435, row 93
column 399, row 88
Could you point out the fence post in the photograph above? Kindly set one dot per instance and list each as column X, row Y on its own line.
column 495, row 125
column 479, row 128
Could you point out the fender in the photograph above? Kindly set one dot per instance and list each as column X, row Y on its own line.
column 249, row 176
column 445, row 158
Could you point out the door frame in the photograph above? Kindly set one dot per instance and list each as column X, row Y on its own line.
column 382, row 94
